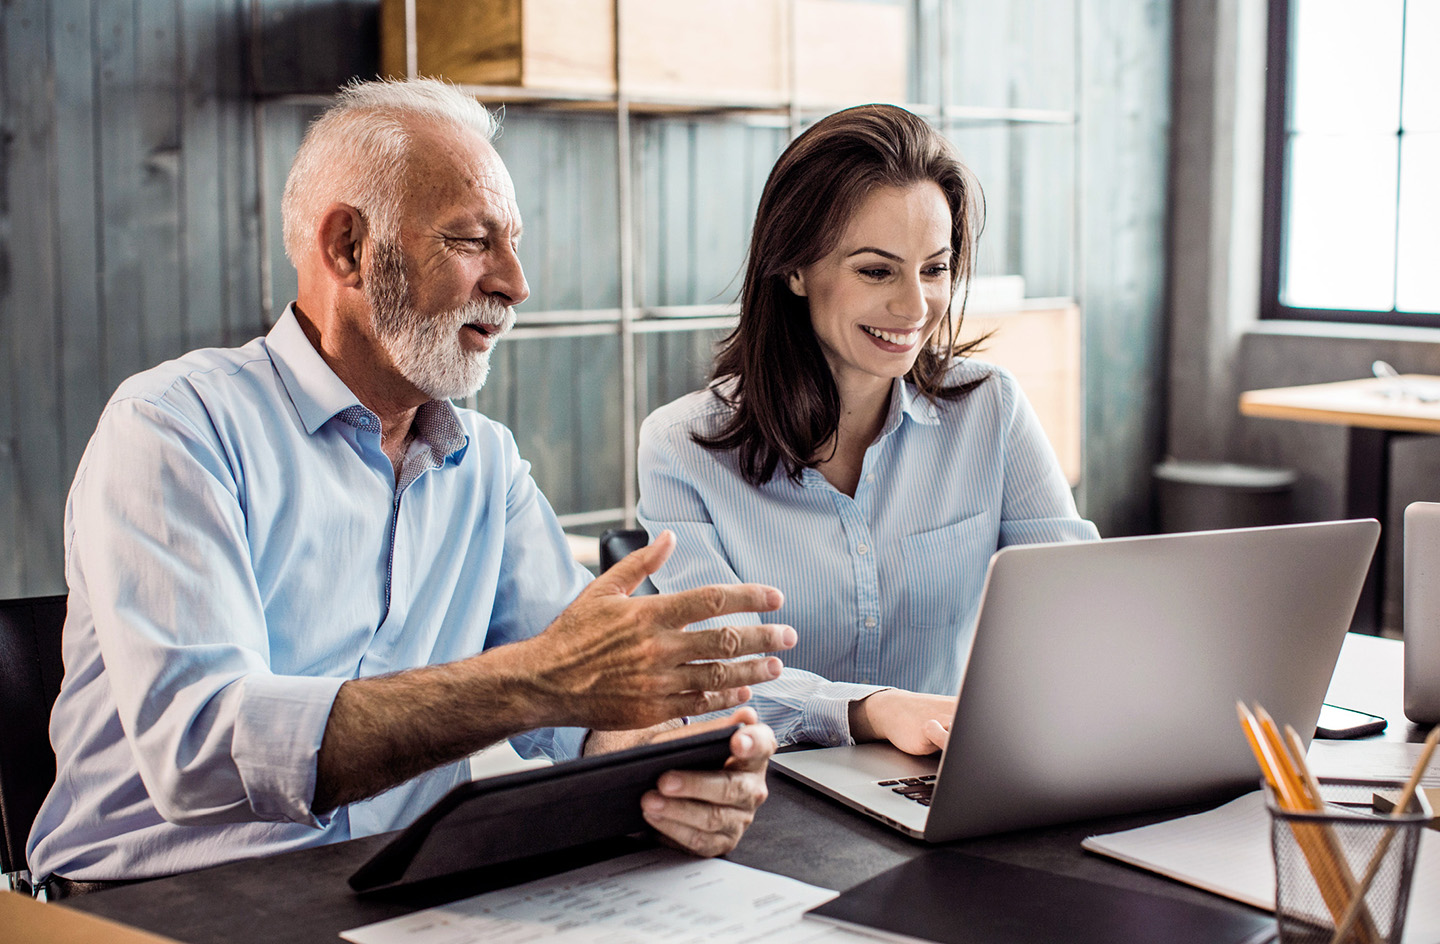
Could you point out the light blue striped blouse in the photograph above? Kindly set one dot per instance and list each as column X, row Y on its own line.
column 883, row 588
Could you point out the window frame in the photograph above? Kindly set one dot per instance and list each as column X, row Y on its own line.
column 1276, row 186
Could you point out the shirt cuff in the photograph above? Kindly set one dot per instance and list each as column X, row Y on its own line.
column 278, row 731
column 558, row 744
column 826, row 716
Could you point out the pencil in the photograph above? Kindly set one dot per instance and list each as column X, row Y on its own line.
column 1280, row 772
column 1406, row 795
column 1356, row 909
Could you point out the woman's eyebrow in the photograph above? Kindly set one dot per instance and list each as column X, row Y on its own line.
column 892, row 257
column 879, row 252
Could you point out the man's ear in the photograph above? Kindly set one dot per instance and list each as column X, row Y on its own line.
column 341, row 233
column 796, row 281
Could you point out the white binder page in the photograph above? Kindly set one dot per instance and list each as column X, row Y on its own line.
column 652, row 896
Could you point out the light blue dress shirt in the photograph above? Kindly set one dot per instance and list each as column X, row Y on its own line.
column 237, row 546
column 883, row 588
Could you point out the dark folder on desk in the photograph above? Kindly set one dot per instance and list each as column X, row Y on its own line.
column 954, row 898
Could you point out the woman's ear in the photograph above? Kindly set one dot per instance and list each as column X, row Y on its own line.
column 796, row 281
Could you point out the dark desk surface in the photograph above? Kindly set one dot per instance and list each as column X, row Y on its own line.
column 303, row 896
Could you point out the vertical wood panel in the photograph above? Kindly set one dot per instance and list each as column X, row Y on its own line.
column 28, row 297
column 158, row 90
column 78, row 311
column 121, row 273
column 204, row 165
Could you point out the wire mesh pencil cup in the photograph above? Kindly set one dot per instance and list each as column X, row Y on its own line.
column 1323, row 859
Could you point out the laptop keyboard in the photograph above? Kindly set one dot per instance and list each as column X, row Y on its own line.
column 918, row 789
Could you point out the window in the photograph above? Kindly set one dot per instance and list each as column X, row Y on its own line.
column 1352, row 160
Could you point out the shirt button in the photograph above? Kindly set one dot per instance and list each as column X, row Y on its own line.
column 870, row 477
column 862, row 549
column 869, row 622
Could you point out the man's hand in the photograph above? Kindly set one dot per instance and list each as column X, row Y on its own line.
column 609, row 661
column 613, row 661
column 705, row 812
column 914, row 722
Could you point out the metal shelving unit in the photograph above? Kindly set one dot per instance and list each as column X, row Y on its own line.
column 633, row 319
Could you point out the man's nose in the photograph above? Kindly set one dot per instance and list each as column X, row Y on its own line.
column 504, row 279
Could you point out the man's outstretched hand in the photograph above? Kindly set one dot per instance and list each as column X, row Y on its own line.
column 613, row 661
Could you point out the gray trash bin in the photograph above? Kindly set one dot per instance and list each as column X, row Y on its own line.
column 1202, row 496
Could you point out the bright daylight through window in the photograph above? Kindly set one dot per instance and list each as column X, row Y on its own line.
column 1357, row 147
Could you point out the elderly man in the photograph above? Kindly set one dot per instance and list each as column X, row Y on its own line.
column 304, row 587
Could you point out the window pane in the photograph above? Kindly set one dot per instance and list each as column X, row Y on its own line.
column 1418, row 277
column 1340, row 226
column 1422, row 66
column 1346, row 66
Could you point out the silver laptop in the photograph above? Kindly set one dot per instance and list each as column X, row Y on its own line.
column 1102, row 679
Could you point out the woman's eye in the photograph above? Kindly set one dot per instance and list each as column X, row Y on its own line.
column 874, row 273
column 937, row 270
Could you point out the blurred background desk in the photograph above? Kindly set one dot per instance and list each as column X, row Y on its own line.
column 1375, row 411
column 303, row 896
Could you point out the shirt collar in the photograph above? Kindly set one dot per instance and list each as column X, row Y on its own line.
column 320, row 396
column 905, row 400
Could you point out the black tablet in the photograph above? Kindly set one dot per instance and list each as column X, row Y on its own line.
column 536, row 811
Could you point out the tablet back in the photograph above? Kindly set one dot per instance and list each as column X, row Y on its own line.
column 536, row 811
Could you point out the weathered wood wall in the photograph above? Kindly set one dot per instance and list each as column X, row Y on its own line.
column 138, row 138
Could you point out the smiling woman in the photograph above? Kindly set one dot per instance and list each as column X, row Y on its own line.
column 905, row 463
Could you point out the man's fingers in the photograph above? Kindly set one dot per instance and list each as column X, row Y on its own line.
column 732, row 642
column 628, row 572
column 702, row 603
column 936, row 733
column 688, row 824
column 718, row 676
column 751, row 748
column 738, row 716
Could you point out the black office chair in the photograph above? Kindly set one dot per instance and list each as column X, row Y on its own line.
column 616, row 543
column 30, row 673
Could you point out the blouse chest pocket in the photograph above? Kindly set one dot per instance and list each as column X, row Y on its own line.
column 945, row 571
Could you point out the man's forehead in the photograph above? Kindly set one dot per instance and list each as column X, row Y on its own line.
column 461, row 172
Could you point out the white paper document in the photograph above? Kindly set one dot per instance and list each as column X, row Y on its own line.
column 1368, row 760
column 1227, row 851
column 653, row 896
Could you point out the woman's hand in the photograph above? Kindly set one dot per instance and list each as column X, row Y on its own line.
column 914, row 722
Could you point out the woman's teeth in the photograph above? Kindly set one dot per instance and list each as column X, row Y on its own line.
column 901, row 338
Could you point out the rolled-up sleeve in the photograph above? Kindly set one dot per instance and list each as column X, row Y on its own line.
column 160, row 541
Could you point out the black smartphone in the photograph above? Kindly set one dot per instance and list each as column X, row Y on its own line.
column 1336, row 723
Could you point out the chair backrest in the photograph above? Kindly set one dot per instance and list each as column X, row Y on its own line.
column 616, row 543
column 30, row 673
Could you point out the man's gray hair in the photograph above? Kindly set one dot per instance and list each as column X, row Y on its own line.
column 356, row 152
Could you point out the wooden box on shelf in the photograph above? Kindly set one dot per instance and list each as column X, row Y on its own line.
column 849, row 52
column 700, row 51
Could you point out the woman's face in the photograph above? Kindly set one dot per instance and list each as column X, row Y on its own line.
column 880, row 294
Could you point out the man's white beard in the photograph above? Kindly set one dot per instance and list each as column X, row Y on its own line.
column 426, row 349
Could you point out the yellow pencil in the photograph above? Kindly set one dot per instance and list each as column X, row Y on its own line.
column 1291, row 795
column 1406, row 795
